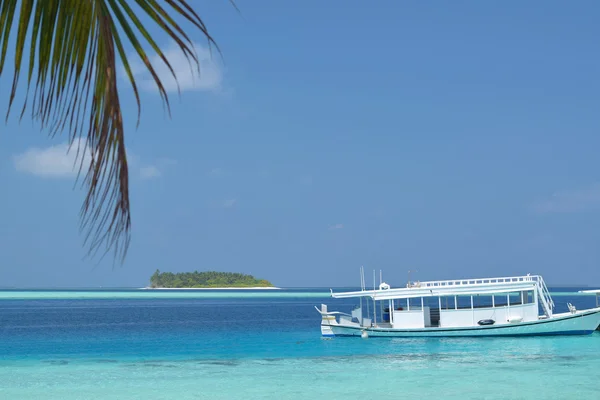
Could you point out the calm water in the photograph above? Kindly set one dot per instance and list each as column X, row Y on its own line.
column 262, row 345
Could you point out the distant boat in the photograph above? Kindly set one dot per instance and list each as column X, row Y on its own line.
column 507, row 306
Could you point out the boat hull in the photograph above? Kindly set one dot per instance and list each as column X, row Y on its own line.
column 580, row 323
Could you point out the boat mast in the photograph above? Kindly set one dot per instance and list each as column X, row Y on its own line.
column 381, row 303
column 362, row 287
column 364, row 283
column 374, row 302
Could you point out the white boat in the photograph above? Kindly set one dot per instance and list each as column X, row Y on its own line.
column 509, row 306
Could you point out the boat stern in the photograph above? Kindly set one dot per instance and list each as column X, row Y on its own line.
column 590, row 320
column 326, row 331
column 327, row 321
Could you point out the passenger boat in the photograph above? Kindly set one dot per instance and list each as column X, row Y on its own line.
column 509, row 306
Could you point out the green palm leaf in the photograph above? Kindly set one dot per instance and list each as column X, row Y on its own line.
column 73, row 47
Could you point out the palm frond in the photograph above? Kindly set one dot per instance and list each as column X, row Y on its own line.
column 73, row 48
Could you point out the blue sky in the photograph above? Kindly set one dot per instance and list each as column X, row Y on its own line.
column 458, row 139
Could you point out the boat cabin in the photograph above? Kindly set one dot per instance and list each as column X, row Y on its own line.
column 453, row 303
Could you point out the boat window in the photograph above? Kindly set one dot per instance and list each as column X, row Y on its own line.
column 447, row 302
column 527, row 296
column 400, row 304
column 415, row 303
column 515, row 298
column 463, row 302
column 500, row 300
column 482, row 301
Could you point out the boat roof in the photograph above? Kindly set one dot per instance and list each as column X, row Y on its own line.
column 449, row 288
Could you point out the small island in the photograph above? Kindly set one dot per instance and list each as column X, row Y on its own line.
column 206, row 280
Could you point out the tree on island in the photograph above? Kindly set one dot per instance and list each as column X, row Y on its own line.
column 72, row 48
column 206, row 279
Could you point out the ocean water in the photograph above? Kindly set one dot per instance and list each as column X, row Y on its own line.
column 263, row 345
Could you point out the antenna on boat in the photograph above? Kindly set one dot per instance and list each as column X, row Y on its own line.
column 373, row 280
column 374, row 302
column 381, row 302
column 364, row 283
column 362, row 278
column 362, row 288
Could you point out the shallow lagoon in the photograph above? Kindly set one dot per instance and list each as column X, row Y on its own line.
column 232, row 345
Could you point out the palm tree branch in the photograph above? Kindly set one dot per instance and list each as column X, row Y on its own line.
column 74, row 47
column 158, row 15
column 139, row 48
column 7, row 13
column 25, row 16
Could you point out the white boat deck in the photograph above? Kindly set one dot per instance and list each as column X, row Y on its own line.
column 474, row 282
column 454, row 287
column 503, row 306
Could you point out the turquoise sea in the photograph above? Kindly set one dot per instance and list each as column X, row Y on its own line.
column 135, row 344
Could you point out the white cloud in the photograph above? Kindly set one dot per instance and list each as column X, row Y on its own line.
column 149, row 172
column 59, row 161
column 154, row 170
column 571, row 201
column 336, row 226
column 55, row 161
column 208, row 78
column 229, row 203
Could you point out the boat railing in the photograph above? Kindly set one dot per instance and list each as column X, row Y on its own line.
column 544, row 295
column 470, row 282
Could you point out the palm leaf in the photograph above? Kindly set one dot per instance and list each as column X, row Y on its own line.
column 73, row 48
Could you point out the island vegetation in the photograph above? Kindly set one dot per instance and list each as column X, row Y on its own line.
column 205, row 279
